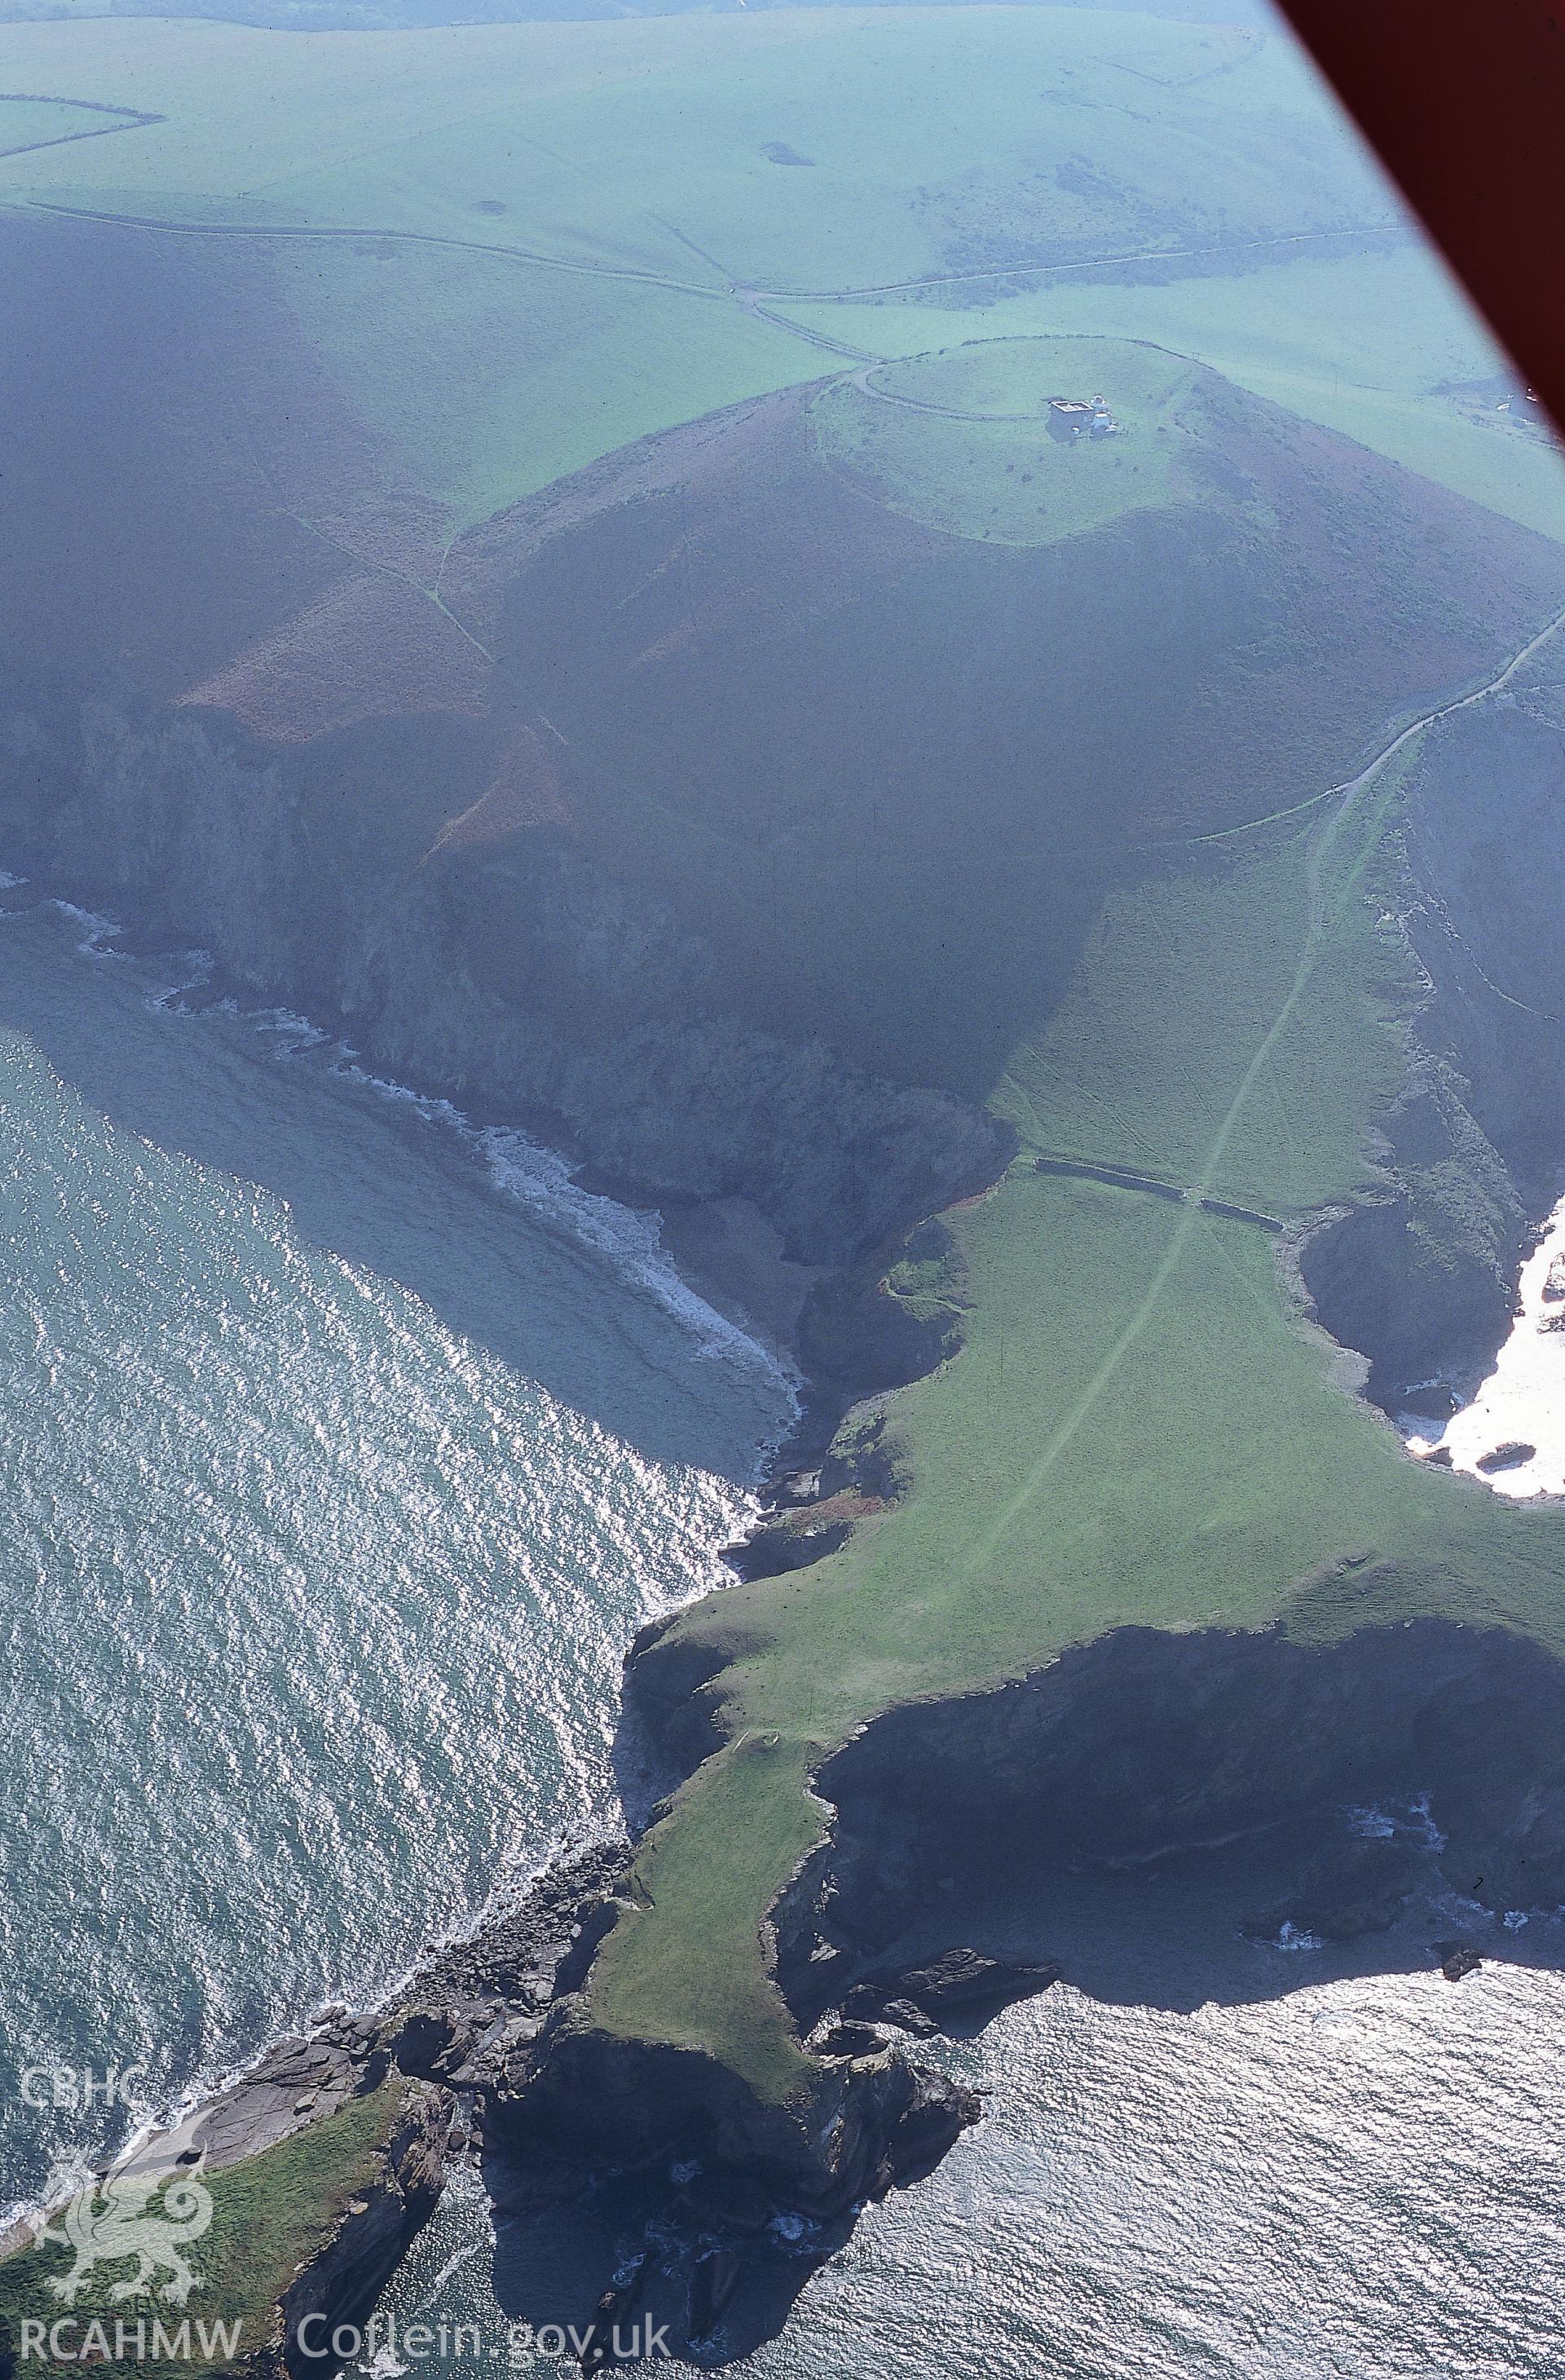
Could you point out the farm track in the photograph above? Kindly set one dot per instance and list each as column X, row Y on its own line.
column 752, row 300
column 385, row 231
column 865, row 380
column 128, row 119
column 1325, row 903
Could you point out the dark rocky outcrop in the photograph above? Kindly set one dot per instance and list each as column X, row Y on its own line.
column 469, row 2016
column 598, row 2103
column 960, row 1985
column 1508, row 1457
column 341, row 2283
column 1421, row 1277
column 1144, row 1745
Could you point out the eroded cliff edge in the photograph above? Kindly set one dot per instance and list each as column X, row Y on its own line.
column 439, row 892
column 1421, row 1277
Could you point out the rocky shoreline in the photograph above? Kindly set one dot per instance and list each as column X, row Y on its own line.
column 1228, row 1734
column 491, row 2037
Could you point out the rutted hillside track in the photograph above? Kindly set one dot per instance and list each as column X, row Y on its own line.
column 865, row 382
column 128, row 119
column 753, row 299
column 1326, row 901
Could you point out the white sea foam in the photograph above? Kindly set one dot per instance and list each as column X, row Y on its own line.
column 1422, row 1822
column 97, row 929
column 166, row 1002
column 627, row 1241
column 293, row 1031
column 1521, row 1404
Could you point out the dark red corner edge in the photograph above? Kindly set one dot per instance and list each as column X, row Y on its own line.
column 1465, row 99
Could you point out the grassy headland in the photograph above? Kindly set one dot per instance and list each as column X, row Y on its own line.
column 1139, row 1428
column 269, row 2216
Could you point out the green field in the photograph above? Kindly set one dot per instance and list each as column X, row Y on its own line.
column 647, row 169
column 553, row 371
column 32, row 123
column 1139, row 1428
column 269, row 2216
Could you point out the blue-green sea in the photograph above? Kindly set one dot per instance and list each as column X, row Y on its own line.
column 344, row 1453
column 344, row 1450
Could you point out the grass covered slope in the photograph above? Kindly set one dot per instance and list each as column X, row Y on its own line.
column 1138, row 1429
column 270, row 2216
column 365, row 294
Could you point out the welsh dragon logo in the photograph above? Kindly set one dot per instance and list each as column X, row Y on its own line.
column 114, row 2218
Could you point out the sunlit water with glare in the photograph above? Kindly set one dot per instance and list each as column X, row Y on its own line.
column 1347, row 2176
column 323, row 1524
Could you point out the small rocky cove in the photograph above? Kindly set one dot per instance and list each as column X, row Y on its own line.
column 1512, row 1432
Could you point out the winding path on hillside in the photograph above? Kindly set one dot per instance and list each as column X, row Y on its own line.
column 1314, row 801
column 751, row 297
column 507, row 254
column 865, row 380
column 1325, row 906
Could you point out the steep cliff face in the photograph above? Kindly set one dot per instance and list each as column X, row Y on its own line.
column 341, row 2283
column 718, row 817
column 1145, row 1745
column 597, row 2103
column 1422, row 1278
column 366, row 881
